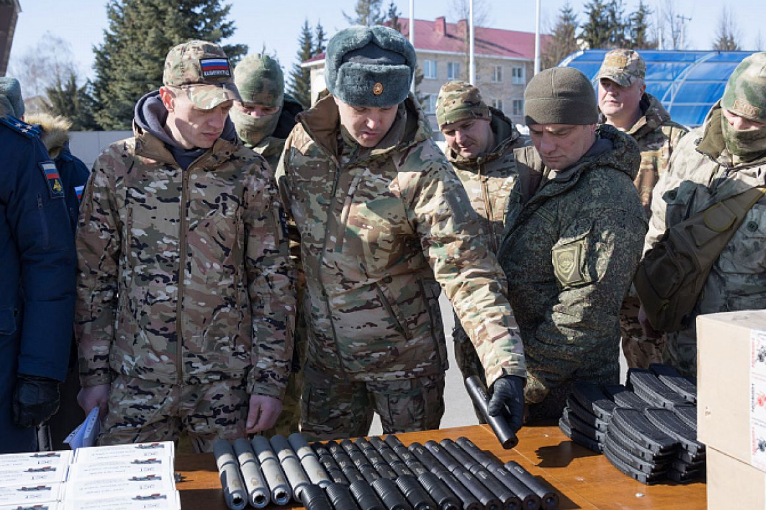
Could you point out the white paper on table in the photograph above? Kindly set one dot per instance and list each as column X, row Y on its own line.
column 31, row 494
column 142, row 501
column 16, row 462
column 125, row 452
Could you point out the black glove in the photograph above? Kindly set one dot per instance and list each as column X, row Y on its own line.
column 508, row 393
column 35, row 399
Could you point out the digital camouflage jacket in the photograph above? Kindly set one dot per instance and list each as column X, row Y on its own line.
column 378, row 231
column 184, row 276
column 701, row 174
column 657, row 138
column 571, row 249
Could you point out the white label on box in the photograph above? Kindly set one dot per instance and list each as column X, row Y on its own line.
column 758, row 399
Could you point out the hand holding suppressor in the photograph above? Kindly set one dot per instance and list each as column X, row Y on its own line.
column 499, row 423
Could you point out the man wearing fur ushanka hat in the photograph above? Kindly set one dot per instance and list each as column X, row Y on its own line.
column 384, row 221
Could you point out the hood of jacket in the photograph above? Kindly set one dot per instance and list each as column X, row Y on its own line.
column 322, row 124
column 154, row 141
column 505, row 134
column 653, row 116
column 55, row 131
column 613, row 149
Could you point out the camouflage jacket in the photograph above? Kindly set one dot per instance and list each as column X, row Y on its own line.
column 377, row 233
column 571, row 248
column 657, row 138
column 488, row 181
column 229, row 315
column 701, row 173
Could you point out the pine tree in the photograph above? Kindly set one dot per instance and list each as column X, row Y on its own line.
column 320, row 39
column 366, row 13
column 130, row 61
column 617, row 26
column 563, row 41
column 300, row 77
column 595, row 31
column 393, row 17
column 638, row 28
column 68, row 100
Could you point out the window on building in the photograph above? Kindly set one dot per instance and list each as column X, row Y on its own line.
column 518, row 107
column 429, row 103
column 518, row 76
column 453, row 70
column 497, row 103
column 429, row 69
column 497, row 74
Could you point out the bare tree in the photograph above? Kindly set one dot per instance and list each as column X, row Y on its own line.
column 41, row 67
column 758, row 43
column 460, row 10
column 727, row 35
column 671, row 26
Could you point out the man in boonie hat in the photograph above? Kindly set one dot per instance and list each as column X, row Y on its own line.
column 185, row 288
column 384, row 221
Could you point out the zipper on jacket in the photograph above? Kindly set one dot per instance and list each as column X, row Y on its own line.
column 181, row 276
column 485, row 196
column 43, row 221
column 320, row 268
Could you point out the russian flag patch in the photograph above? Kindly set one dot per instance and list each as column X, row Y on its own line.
column 212, row 67
column 78, row 191
column 52, row 177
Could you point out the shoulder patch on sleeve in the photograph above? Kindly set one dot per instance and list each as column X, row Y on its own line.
column 52, row 179
column 566, row 263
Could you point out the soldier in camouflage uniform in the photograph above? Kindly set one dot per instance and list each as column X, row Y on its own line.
column 263, row 119
column 185, row 286
column 383, row 221
column 625, row 104
column 480, row 144
column 723, row 157
column 573, row 239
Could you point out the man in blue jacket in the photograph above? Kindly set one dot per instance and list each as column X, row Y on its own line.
column 37, row 289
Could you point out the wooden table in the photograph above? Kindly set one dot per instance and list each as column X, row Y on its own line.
column 583, row 479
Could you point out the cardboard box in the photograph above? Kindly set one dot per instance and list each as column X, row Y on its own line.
column 733, row 484
column 731, row 384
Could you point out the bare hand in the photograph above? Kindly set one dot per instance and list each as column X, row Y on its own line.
column 263, row 413
column 93, row 396
column 649, row 331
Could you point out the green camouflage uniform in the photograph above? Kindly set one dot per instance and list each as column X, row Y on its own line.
column 380, row 230
column 260, row 81
column 185, row 288
column 572, row 245
column 657, row 138
column 701, row 173
column 488, row 181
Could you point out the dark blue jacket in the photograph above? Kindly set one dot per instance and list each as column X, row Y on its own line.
column 37, row 259
column 75, row 175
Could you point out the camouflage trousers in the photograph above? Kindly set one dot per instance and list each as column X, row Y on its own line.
column 681, row 352
column 334, row 408
column 640, row 351
column 467, row 360
column 146, row 411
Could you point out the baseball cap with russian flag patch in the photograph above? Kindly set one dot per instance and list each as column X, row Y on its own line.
column 203, row 70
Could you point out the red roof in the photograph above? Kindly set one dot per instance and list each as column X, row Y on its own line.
column 440, row 36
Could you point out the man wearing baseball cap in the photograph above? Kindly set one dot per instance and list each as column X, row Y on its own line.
column 625, row 104
column 573, row 239
column 723, row 158
column 384, row 221
column 480, row 143
column 185, row 288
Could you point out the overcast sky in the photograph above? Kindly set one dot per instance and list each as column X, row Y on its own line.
column 276, row 25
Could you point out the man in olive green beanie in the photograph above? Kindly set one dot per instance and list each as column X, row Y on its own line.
column 573, row 239
column 266, row 113
column 480, row 143
column 723, row 157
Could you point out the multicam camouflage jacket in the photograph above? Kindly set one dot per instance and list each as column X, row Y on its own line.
column 571, row 248
column 184, row 276
column 378, row 232
column 488, row 181
column 657, row 138
column 701, row 173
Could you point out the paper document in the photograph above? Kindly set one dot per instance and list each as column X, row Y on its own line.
column 86, row 433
